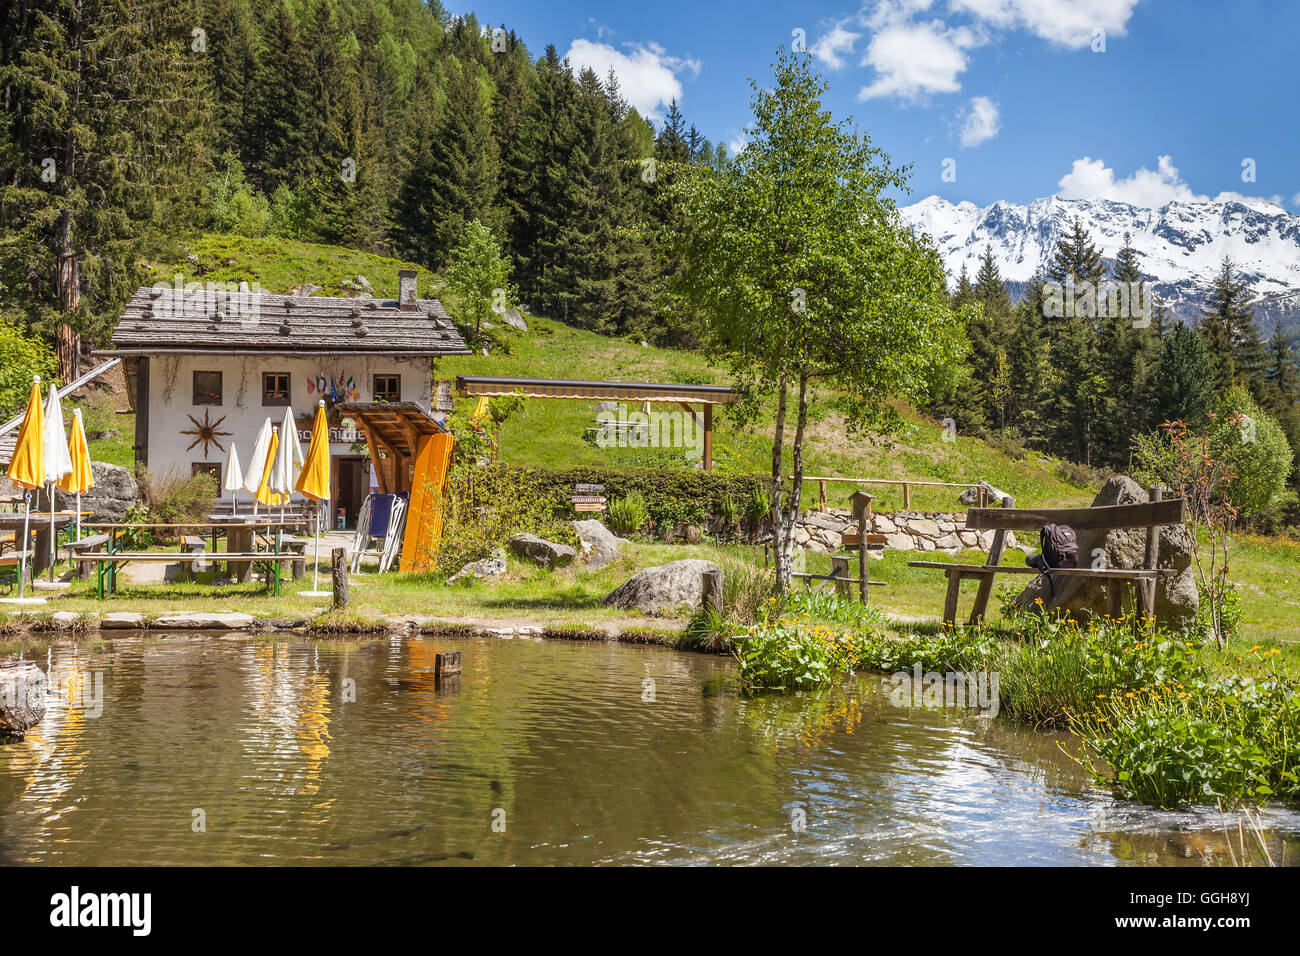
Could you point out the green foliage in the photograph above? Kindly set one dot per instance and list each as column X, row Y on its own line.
column 672, row 496
column 1255, row 450
column 136, row 538
column 479, row 281
column 176, row 498
column 234, row 206
column 483, row 507
column 628, row 514
column 21, row 357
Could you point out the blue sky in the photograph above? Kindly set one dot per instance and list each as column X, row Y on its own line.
column 1018, row 93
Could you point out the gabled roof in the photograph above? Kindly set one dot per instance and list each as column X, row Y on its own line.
column 170, row 320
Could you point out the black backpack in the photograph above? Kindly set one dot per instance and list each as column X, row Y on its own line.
column 1058, row 548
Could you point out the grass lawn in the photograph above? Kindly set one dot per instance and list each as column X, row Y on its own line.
column 569, row 598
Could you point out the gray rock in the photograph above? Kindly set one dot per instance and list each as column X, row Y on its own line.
column 364, row 283
column 1176, row 596
column 484, row 568
column 969, row 539
column 828, row 521
column 883, row 525
column 898, row 541
column 200, row 621
column 22, row 696
column 122, row 619
column 600, row 546
column 606, row 407
column 926, row 527
column 970, row 497
column 512, row 318
column 544, row 552
column 664, row 588
column 113, row 493
column 950, row 540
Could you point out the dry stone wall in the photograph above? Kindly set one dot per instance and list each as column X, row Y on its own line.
column 903, row 530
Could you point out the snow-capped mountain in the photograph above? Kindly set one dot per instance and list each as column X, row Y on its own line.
column 1180, row 245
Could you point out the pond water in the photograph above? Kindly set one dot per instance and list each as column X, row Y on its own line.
column 240, row 750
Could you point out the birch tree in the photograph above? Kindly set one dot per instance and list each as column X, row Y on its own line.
column 809, row 282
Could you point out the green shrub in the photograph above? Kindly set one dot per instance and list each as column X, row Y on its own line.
column 180, row 499
column 628, row 514
column 485, row 506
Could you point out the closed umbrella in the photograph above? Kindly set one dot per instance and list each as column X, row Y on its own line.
column 58, row 459
column 257, row 462
column 27, row 467
column 232, row 478
column 265, row 494
column 81, row 478
column 287, row 455
column 314, row 480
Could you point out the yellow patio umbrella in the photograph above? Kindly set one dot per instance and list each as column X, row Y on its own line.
column 481, row 408
column 81, row 479
column 264, row 493
column 314, row 479
column 27, row 467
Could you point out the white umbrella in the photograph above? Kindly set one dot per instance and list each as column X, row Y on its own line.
column 58, row 459
column 253, row 474
column 232, row 479
column 288, row 455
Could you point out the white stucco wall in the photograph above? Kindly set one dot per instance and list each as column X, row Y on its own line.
column 171, row 391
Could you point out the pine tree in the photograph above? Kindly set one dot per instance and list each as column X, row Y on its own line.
column 1231, row 336
column 1182, row 387
column 1077, row 390
column 105, row 119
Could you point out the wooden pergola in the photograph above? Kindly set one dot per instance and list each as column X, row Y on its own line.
column 663, row 393
column 393, row 429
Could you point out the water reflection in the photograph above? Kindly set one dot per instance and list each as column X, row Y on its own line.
column 296, row 751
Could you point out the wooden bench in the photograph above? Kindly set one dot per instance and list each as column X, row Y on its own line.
column 109, row 561
column 1152, row 515
column 11, row 564
column 296, row 546
column 91, row 544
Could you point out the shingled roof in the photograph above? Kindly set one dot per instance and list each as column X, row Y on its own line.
column 170, row 320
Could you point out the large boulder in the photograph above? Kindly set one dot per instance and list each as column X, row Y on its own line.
column 544, row 552
column 1176, row 595
column 22, row 696
column 484, row 568
column 600, row 546
column 971, row 496
column 663, row 588
column 113, row 493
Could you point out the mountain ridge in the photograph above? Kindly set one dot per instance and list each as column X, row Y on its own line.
column 1180, row 245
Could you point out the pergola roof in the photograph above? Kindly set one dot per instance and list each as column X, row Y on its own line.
column 394, row 425
column 474, row 385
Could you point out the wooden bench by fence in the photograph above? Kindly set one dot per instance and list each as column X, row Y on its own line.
column 1152, row 515
column 91, row 544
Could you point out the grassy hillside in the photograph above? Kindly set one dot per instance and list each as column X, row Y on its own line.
column 550, row 432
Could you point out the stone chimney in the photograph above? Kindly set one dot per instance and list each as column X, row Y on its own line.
column 406, row 290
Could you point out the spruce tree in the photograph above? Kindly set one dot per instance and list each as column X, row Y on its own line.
column 104, row 138
column 1182, row 387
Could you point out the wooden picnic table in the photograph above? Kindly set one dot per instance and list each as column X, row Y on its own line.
column 240, row 531
column 38, row 526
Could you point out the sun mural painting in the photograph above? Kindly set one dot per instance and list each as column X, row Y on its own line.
column 208, row 432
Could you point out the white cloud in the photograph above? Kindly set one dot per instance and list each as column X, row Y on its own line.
column 1069, row 23
column 915, row 53
column 830, row 49
column 913, row 59
column 1295, row 200
column 1091, row 178
column 737, row 144
column 981, row 123
column 647, row 75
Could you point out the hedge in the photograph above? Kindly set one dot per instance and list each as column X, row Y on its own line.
column 673, row 495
